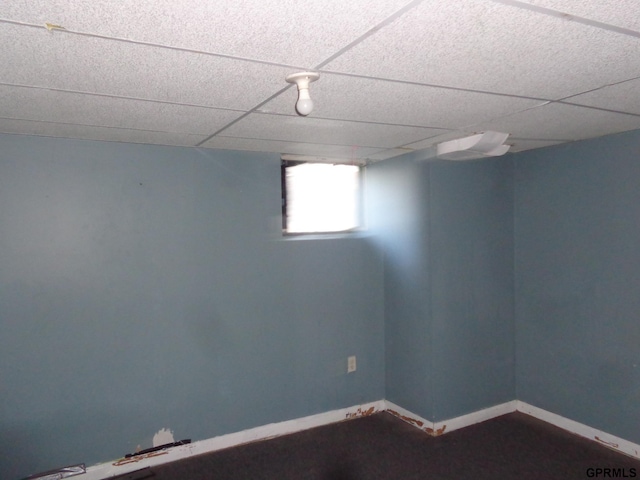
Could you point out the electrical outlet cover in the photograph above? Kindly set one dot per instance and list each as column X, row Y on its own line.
column 351, row 364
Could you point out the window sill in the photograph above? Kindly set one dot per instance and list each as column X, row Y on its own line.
column 352, row 234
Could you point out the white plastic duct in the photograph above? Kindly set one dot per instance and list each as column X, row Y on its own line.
column 481, row 145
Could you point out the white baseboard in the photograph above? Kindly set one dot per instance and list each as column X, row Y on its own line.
column 409, row 417
column 127, row 465
column 474, row 417
column 611, row 441
column 438, row 428
column 123, row 466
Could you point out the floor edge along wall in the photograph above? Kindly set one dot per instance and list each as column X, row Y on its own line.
column 127, row 465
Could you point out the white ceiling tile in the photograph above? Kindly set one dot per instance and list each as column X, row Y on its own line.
column 335, row 132
column 283, row 31
column 614, row 13
column 443, row 137
column 623, row 97
column 72, row 62
column 368, row 100
column 158, row 93
column 97, row 133
column 386, row 154
column 488, row 46
column 564, row 123
column 294, row 148
column 81, row 109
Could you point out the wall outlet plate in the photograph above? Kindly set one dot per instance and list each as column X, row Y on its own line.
column 351, row 364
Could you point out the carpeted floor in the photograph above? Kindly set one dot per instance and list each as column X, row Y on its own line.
column 380, row 446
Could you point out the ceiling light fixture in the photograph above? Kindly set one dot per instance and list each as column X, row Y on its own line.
column 304, row 105
column 481, row 145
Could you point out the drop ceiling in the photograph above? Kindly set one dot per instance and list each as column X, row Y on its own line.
column 395, row 75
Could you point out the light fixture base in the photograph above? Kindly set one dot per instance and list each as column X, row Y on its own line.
column 304, row 105
column 302, row 78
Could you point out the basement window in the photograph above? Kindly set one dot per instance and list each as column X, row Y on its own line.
column 320, row 197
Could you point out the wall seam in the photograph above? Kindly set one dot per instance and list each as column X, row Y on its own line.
column 513, row 280
column 430, row 292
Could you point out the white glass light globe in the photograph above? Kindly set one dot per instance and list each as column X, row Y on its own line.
column 304, row 105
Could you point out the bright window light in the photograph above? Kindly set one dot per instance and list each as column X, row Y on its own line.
column 320, row 197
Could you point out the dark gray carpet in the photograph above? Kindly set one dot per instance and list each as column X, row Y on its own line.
column 380, row 446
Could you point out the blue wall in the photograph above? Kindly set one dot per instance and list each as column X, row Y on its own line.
column 396, row 208
column 577, row 255
column 446, row 230
column 471, row 269
column 146, row 287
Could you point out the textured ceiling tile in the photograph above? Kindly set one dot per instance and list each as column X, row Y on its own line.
column 313, row 130
column 352, row 98
column 466, row 44
column 621, row 13
column 564, row 123
column 443, row 137
column 80, row 109
column 386, row 154
column 72, row 62
column 623, row 97
column 310, row 149
column 493, row 47
column 283, row 31
column 97, row 133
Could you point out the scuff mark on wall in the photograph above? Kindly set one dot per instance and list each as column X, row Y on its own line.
column 137, row 458
column 52, row 26
column 611, row 444
column 410, row 420
column 163, row 437
column 362, row 413
column 437, row 432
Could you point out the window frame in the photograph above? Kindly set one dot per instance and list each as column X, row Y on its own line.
column 284, row 164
